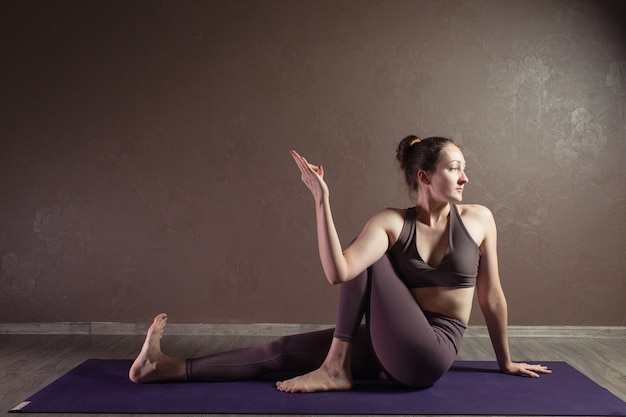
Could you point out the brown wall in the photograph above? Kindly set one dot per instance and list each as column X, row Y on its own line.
column 144, row 164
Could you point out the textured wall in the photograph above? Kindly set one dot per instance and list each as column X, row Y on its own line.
column 144, row 164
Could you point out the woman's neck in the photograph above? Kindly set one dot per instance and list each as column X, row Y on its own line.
column 431, row 212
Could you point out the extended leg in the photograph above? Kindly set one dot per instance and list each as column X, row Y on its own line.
column 297, row 353
column 151, row 364
column 348, row 353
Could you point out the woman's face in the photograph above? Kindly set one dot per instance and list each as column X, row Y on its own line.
column 448, row 178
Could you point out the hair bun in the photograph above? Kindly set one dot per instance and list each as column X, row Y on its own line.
column 404, row 148
column 415, row 158
column 414, row 141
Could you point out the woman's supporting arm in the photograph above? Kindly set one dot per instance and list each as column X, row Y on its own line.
column 493, row 302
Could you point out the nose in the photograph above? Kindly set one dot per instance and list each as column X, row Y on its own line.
column 463, row 179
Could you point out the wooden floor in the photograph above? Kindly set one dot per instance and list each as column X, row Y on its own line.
column 30, row 362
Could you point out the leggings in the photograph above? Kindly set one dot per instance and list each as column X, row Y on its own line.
column 399, row 341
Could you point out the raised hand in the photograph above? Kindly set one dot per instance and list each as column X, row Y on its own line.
column 312, row 176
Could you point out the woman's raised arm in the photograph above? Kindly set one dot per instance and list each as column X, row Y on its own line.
column 340, row 266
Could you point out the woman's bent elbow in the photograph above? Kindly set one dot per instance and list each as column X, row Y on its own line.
column 334, row 280
column 334, row 276
column 340, row 279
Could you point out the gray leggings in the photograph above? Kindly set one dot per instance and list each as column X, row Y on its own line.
column 399, row 341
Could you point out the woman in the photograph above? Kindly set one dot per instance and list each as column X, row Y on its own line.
column 411, row 272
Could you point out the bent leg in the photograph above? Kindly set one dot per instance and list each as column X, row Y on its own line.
column 353, row 299
column 414, row 348
column 350, row 352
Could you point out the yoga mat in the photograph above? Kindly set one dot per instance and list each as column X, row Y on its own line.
column 469, row 388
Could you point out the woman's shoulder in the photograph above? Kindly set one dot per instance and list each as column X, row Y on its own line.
column 389, row 214
column 478, row 221
column 389, row 219
column 475, row 211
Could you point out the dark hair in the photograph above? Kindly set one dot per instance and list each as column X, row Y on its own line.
column 416, row 154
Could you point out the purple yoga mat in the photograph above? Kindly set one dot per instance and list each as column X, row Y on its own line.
column 469, row 388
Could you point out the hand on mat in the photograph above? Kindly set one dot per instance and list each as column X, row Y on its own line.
column 525, row 369
column 312, row 176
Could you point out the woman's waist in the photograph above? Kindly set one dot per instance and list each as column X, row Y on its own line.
column 453, row 303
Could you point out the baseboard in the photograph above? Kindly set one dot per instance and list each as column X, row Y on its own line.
column 280, row 329
column 598, row 332
column 130, row 329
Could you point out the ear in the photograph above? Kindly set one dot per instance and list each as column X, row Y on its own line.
column 423, row 176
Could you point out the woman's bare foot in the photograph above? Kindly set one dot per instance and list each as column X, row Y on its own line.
column 322, row 379
column 335, row 374
column 152, row 365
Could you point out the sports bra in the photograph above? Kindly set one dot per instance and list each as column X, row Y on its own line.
column 458, row 268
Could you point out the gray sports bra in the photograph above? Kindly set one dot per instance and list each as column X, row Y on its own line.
column 458, row 268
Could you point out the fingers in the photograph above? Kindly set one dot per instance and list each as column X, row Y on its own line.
column 530, row 373
column 305, row 166
column 542, row 369
column 300, row 161
column 296, row 156
column 312, row 177
column 527, row 370
column 533, row 371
